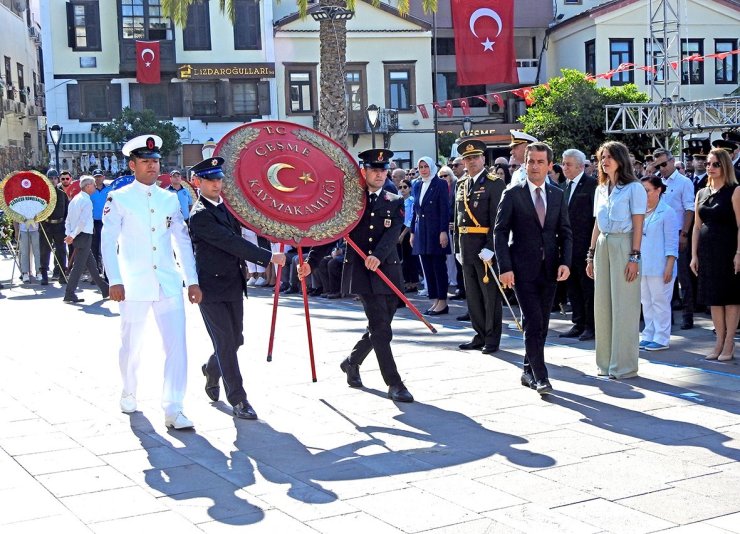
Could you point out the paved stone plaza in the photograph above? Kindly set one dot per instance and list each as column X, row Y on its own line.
column 477, row 453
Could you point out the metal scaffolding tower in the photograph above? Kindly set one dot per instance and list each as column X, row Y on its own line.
column 667, row 115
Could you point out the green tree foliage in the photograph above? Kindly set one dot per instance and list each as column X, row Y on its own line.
column 133, row 123
column 568, row 112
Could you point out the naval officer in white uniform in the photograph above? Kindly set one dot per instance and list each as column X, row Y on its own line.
column 143, row 232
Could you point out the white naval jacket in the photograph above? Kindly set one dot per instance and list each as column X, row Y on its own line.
column 141, row 224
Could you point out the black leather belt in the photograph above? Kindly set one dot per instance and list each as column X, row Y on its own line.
column 54, row 221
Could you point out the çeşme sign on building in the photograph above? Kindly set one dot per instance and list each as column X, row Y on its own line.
column 210, row 71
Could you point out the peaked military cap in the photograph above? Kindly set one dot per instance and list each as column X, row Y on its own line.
column 729, row 146
column 209, row 169
column 518, row 137
column 376, row 158
column 143, row 146
column 52, row 173
column 471, row 148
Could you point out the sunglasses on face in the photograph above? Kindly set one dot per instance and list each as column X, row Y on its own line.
column 403, row 187
column 715, row 164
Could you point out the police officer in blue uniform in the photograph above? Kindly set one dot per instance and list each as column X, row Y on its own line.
column 376, row 235
column 220, row 252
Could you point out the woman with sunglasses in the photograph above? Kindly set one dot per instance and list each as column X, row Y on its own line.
column 429, row 237
column 409, row 262
column 613, row 262
column 715, row 251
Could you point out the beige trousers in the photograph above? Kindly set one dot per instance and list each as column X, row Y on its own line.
column 616, row 308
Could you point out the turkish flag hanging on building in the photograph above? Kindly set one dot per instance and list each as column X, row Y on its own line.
column 147, row 61
column 484, row 41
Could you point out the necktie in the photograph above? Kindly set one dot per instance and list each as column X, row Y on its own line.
column 567, row 191
column 373, row 198
column 539, row 206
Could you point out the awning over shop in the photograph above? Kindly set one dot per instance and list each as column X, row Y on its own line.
column 86, row 142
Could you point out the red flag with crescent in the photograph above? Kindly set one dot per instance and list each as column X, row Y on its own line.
column 147, row 61
column 484, row 41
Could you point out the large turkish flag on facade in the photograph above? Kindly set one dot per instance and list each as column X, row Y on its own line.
column 484, row 41
column 147, row 61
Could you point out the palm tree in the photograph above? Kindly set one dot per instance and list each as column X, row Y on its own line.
column 332, row 53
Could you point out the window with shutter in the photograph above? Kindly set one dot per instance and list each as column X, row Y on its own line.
column 197, row 33
column 247, row 27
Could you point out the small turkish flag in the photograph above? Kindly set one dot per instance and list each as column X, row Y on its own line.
column 147, row 61
column 484, row 41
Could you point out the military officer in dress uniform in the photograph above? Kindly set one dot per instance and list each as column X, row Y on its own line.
column 518, row 145
column 377, row 235
column 732, row 148
column 476, row 203
column 220, row 252
column 53, row 234
column 141, row 225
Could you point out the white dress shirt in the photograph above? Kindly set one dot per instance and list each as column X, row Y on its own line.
column 79, row 216
column 141, row 225
column 679, row 195
column 533, row 193
column 573, row 186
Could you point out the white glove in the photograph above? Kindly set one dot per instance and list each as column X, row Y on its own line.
column 458, row 257
column 486, row 255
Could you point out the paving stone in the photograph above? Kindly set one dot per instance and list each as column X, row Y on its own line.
column 413, row 510
column 41, row 463
column 467, row 493
column 261, row 522
column 65, row 522
column 79, row 481
column 354, row 522
column 112, row 504
column 534, row 518
column 154, row 522
column 680, row 506
column 613, row 517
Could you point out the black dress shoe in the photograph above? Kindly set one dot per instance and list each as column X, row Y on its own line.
column 471, row 345
column 464, row 317
column 399, row 393
column 528, row 381
column 44, row 279
column 587, row 335
column 212, row 387
column 353, row 373
column 489, row 349
column 292, row 290
column 574, row 331
column 443, row 311
column 458, row 297
column 244, row 410
column 543, row 387
column 332, row 296
column 73, row 300
column 687, row 324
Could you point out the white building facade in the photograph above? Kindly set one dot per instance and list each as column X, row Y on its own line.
column 22, row 144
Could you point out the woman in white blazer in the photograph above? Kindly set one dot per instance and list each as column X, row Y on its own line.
column 659, row 253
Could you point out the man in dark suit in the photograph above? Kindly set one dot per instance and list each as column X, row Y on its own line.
column 579, row 195
column 376, row 235
column 534, row 244
column 220, row 252
column 476, row 202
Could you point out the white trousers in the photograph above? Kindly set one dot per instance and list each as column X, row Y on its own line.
column 169, row 313
column 656, row 309
column 250, row 236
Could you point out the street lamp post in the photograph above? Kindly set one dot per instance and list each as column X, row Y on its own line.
column 467, row 126
column 209, row 147
column 56, row 136
column 373, row 113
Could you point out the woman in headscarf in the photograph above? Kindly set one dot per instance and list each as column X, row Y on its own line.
column 429, row 232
